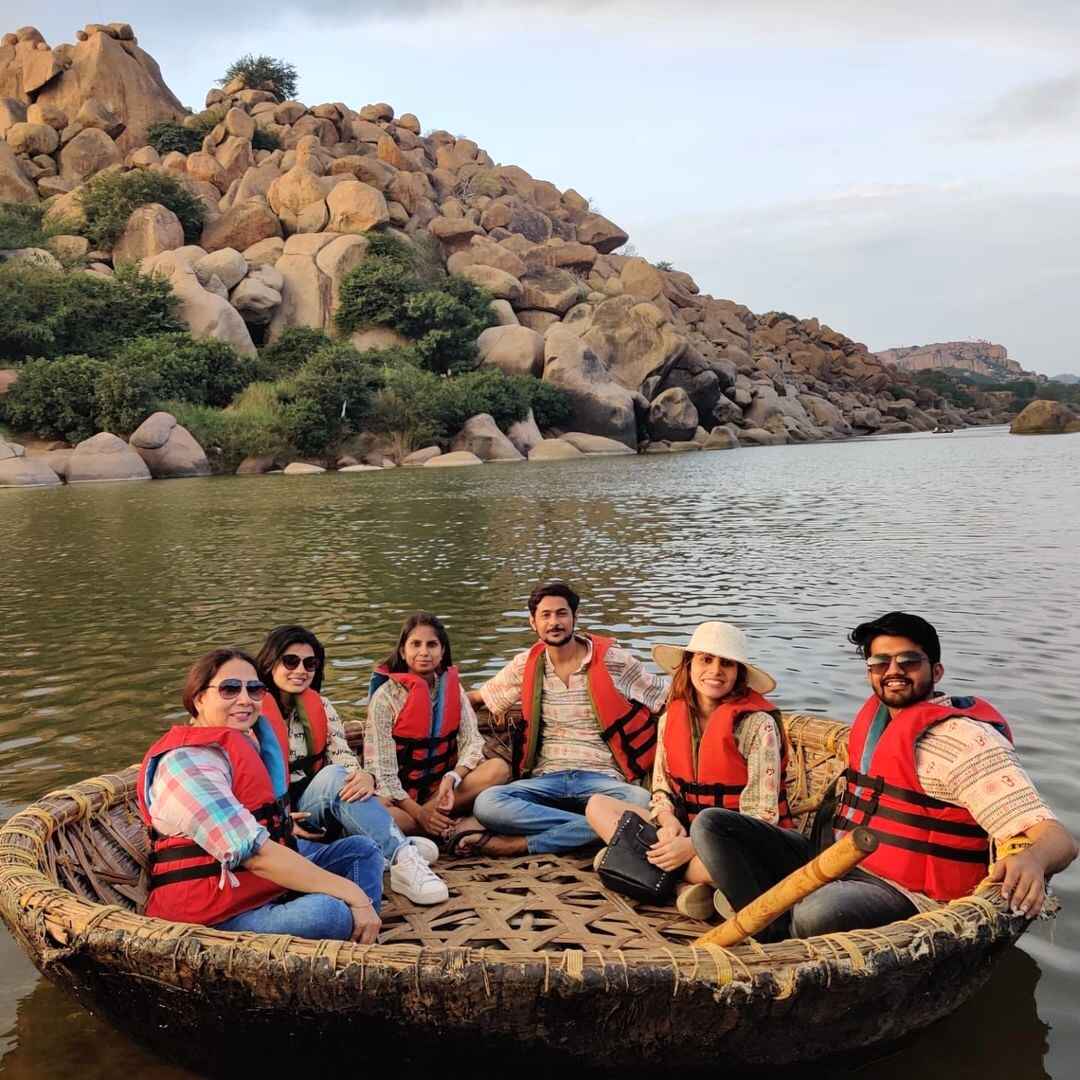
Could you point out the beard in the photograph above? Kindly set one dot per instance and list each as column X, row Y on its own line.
column 558, row 637
column 899, row 695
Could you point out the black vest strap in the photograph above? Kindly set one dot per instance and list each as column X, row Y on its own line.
column 916, row 821
column 875, row 783
column 924, row 847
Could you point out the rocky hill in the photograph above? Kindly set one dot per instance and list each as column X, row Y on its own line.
column 639, row 349
column 980, row 357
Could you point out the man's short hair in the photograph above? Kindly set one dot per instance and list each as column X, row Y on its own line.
column 553, row 588
column 898, row 624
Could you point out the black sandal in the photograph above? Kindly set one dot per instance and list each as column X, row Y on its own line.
column 454, row 850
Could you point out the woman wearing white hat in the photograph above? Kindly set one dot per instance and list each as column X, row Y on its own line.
column 720, row 748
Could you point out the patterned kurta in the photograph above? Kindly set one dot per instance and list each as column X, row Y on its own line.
column 570, row 737
column 337, row 746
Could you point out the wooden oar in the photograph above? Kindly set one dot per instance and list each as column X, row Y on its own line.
column 834, row 862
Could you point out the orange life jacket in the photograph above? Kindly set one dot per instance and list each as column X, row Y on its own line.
column 628, row 727
column 717, row 774
column 184, row 878
column 312, row 714
column 925, row 845
column 425, row 733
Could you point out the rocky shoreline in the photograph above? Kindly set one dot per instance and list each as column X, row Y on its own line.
column 647, row 360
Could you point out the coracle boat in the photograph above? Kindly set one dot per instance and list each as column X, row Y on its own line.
column 531, row 963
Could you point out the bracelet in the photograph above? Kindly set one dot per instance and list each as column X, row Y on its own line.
column 456, row 777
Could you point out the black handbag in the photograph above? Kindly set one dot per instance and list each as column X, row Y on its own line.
column 624, row 867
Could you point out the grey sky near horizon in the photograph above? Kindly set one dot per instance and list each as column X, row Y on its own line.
column 907, row 173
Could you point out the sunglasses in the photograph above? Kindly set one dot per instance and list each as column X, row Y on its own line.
column 905, row 661
column 230, row 688
column 290, row 661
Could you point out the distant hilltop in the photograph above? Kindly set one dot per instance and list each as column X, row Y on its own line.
column 1069, row 380
column 981, row 357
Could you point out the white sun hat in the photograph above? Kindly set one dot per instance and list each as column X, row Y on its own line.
column 717, row 639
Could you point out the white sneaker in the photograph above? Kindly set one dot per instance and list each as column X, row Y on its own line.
column 411, row 877
column 429, row 850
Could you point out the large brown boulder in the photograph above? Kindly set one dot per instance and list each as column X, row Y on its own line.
column 672, row 416
column 241, row 226
column 19, row 470
column 117, row 72
column 15, row 185
column 1042, row 417
column 32, row 139
column 206, row 314
column 556, row 450
column 481, row 436
column 258, row 295
column 169, row 450
column 88, row 153
column 551, row 290
column 604, row 235
column 356, row 207
column 150, row 230
column 105, row 457
column 585, row 443
column 517, row 350
column 601, row 405
column 632, row 339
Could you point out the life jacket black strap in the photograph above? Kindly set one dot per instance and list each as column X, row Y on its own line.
column 175, row 854
column 187, row 873
column 875, row 783
column 309, row 764
column 638, row 757
column 424, row 744
column 425, row 761
column 924, row 847
column 916, row 821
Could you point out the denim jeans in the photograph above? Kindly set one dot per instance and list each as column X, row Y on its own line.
column 746, row 856
column 366, row 817
column 550, row 809
column 316, row 915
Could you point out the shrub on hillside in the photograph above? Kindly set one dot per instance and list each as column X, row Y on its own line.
column 551, row 405
column 290, row 352
column 109, row 199
column 49, row 313
column 20, row 226
column 263, row 72
column 202, row 371
column 331, row 397
column 254, row 424
column 55, row 398
column 444, row 317
column 167, row 136
column 125, row 397
column 265, row 140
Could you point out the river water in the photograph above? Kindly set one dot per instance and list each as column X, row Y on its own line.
column 108, row 591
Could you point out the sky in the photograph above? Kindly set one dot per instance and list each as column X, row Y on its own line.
column 907, row 173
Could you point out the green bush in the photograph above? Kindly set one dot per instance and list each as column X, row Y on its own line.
column 20, row 226
column 167, row 136
column 109, row 199
column 551, row 405
column 331, row 397
column 264, row 72
column 265, row 140
column 290, row 352
column 55, row 398
column 203, row 371
column 125, row 397
column 49, row 313
column 444, row 318
column 255, row 424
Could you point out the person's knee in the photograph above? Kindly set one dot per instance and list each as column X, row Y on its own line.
column 500, row 770
column 637, row 795
column 716, row 823
column 336, row 918
column 817, row 914
column 325, row 785
column 490, row 802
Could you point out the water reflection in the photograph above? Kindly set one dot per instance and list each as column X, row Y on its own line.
column 108, row 591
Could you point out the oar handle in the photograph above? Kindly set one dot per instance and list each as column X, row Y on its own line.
column 834, row 862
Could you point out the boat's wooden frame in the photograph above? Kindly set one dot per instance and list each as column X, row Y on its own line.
column 530, row 960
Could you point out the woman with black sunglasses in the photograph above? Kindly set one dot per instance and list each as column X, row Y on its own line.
column 328, row 789
column 214, row 795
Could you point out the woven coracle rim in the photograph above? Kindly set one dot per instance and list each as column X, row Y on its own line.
column 53, row 923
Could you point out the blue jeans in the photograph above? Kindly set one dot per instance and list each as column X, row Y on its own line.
column 550, row 809
column 316, row 915
column 367, row 817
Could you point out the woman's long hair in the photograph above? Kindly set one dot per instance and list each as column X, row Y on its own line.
column 682, row 689
column 395, row 662
column 274, row 648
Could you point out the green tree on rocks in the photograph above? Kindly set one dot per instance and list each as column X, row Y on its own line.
column 263, row 72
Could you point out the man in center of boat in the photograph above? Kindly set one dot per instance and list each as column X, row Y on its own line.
column 936, row 778
column 589, row 728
